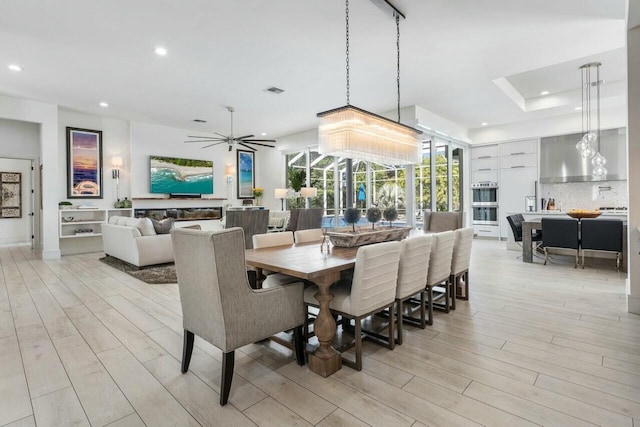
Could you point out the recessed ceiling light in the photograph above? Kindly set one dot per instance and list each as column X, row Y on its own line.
column 274, row 89
column 484, row 124
column 544, row 92
column 263, row 134
column 15, row 67
column 160, row 51
column 578, row 108
column 199, row 121
column 104, row 104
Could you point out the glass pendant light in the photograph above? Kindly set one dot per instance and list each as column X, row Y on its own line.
column 589, row 145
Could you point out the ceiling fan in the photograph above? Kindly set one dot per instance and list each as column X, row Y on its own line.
column 232, row 140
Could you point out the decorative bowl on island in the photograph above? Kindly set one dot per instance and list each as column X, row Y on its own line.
column 67, row 218
column 583, row 213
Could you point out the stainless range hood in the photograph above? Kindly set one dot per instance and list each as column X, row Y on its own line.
column 561, row 162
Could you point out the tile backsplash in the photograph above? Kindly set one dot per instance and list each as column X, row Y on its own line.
column 586, row 195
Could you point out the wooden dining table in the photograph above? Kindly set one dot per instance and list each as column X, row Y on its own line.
column 306, row 261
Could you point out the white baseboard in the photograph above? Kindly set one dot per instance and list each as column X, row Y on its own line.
column 51, row 254
column 15, row 240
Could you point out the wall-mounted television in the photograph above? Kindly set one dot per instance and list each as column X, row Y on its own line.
column 172, row 175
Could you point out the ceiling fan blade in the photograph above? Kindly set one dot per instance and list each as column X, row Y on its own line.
column 243, row 137
column 246, row 146
column 223, row 136
column 259, row 140
column 208, row 139
column 257, row 143
column 211, row 145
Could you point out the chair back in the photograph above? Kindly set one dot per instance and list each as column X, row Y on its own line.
column 414, row 265
column 304, row 219
column 212, row 281
column 436, row 222
column 252, row 222
column 601, row 234
column 268, row 240
column 560, row 233
column 374, row 276
column 461, row 257
column 515, row 222
column 310, row 235
column 440, row 260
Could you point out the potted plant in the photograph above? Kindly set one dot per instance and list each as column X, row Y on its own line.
column 65, row 205
column 373, row 215
column 352, row 216
column 390, row 214
column 297, row 180
column 257, row 193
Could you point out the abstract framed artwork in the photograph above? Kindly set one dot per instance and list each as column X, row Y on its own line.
column 84, row 164
column 11, row 195
column 245, row 173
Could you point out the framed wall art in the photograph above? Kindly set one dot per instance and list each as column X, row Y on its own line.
column 84, row 163
column 245, row 169
column 11, row 195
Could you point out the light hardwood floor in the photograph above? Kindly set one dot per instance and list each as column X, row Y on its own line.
column 84, row 344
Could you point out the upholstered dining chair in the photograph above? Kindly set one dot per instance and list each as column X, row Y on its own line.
column 460, row 261
column 601, row 235
column 438, row 277
column 412, row 276
column 560, row 233
column 267, row 278
column 309, row 235
column 372, row 289
column 515, row 222
column 436, row 222
column 219, row 306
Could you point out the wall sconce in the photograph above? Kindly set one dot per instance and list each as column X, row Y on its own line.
column 281, row 193
column 229, row 171
column 116, row 164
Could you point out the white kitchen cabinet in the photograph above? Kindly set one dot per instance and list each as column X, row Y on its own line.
column 519, row 161
column 490, row 231
column 484, row 176
column 484, row 151
column 515, row 185
column 518, row 147
column 484, row 164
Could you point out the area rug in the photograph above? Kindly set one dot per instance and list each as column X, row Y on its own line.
column 153, row 274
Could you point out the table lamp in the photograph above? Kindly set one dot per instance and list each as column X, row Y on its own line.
column 281, row 193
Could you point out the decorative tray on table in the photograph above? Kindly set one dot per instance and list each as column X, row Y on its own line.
column 582, row 213
column 346, row 238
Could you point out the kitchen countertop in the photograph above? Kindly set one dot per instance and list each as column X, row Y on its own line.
column 615, row 213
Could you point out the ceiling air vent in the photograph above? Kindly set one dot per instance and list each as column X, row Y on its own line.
column 275, row 90
column 199, row 121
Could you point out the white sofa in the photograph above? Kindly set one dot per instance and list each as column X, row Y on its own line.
column 135, row 241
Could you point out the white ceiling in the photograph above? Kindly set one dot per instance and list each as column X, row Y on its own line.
column 76, row 53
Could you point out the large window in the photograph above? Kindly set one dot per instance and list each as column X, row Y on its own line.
column 437, row 180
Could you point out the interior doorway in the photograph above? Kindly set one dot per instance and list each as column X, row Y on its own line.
column 18, row 208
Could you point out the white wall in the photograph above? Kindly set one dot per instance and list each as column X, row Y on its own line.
column 148, row 139
column 18, row 141
column 633, row 135
column 614, row 117
column 115, row 142
column 46, row 115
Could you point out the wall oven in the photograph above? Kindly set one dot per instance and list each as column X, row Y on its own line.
column 485, row 203
column 485, row 215
column 485, row 193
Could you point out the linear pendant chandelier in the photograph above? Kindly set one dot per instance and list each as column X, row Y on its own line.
column 352, row 132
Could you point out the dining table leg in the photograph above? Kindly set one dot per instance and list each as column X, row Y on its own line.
column 527, row 243
column 325, row 360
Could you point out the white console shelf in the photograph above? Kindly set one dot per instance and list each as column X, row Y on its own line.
column 79, row 229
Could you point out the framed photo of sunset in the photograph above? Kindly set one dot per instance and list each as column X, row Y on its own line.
column 84, row 163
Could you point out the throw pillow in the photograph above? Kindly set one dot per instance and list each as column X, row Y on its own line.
column 162, row 226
